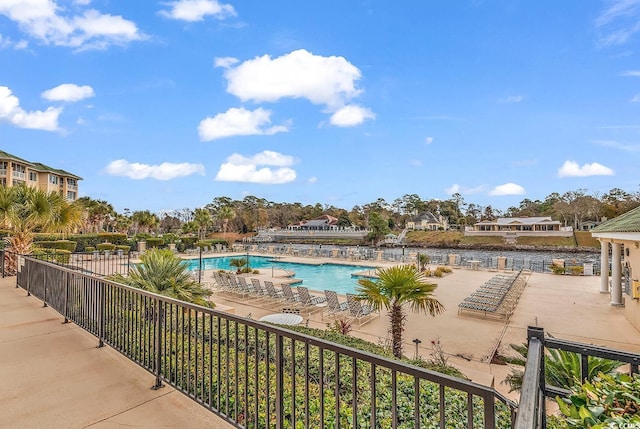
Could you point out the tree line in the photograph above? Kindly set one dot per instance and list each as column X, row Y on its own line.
column 252, row 213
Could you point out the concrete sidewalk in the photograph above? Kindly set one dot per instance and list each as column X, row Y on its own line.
column 53, row 376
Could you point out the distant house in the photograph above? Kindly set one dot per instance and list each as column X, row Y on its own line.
column 321, row 223
column 537, row 226
column 518, row 224
column 427, row 221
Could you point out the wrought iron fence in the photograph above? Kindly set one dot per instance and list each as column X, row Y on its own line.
column 531, row 412
column 256, row 375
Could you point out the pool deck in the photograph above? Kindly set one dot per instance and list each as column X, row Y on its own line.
column 568, row 307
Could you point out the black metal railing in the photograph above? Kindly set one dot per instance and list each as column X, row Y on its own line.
column 531, row 411
column 256, row 375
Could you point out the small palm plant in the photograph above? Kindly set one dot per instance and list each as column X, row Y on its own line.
column 161, row 271
column 561, row 368
column 238, row 264
column 396, row 287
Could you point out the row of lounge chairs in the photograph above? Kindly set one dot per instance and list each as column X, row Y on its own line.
column 498, row 296
column 300, row 299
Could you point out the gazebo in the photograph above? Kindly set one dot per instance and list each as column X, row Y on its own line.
column 622, row 236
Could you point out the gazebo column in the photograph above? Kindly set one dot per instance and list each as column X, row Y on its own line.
column 604, row 267
column 616, row 274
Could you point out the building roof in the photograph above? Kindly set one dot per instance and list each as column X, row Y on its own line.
column 427, row 216
column 37, row 166
column 627, row 222
column 504, row 221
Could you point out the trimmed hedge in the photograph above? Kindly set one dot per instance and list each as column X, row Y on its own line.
column 154, row 242
column 112, row 237
column 58, row 255
column 106, row 246
column 58, row 244
column 124, row 247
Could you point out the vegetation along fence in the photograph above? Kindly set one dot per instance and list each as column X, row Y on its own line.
column 256, row 375
column 534, row 390
column 95, row 263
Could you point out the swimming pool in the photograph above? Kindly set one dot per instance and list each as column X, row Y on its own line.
column 335, row 277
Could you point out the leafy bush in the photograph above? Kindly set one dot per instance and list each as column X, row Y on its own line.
column 557, row 269
column 575, row 270
column 57, row 244
column 112, row 237
column 153, row 242
column 606, row 401
column 106, row 246
column 90, row 249
column 124, row 247
column 60, row 256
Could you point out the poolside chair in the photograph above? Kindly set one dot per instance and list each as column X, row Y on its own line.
column 334, row 307
column 362, row 313
column 272, row 292
column 308, row 302
column 261, row 292
column 289, row 295
column 248, row 290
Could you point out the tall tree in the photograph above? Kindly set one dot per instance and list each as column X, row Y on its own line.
column 24, row 211
column 202, row 218
column 225, row 214
column 378, row 226
column 396, row 288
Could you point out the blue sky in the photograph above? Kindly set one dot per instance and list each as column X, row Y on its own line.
column 167, row 105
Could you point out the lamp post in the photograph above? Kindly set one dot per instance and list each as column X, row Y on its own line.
column 200, row 265
column 417, row 343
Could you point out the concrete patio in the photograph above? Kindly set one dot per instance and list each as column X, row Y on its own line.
column 53, row 376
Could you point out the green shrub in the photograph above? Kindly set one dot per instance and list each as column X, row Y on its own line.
column 557, row 269
column 90, row 249
column 187, row 243
column 124, row 247
column 606, row 401
column 106, row 247
column 57, row 244
column 60, row 256
column 576, row 270
column 112, row 237
column 153, row 242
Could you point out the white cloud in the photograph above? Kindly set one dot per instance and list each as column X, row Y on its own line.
column 10, row 111
column 351, row 115
column 458, row 189
column 238, row 168
column 225, row 62
column 630, row 73
column 164, row 171
column 617, row 145
column 68, row 92
column 80, row 29
column 428, row 140
column 507, row 189
column 415, row 162
column 635, row 99
column 572, row 169
column 313, row 179
column 197, row 10
column 7, row 42
column 512, row 99
column 618, row 22
column 238, row 122
column 329, row 81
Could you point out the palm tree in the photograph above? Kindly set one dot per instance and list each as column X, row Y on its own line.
column 163, row 272
column 25, row 210
column 396, row 287
column 202, row 218
column 225, row 214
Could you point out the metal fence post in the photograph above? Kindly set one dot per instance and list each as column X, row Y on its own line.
column 66, row 297
column 101, row 311
column 279, row 380
column 158, row 344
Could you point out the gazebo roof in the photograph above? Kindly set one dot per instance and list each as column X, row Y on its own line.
column 627, row 222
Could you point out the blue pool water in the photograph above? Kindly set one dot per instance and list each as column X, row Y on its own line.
column 335, row 277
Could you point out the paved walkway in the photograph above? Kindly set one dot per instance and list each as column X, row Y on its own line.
column 53, row 376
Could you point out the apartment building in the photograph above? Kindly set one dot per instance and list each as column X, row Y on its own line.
column 16, row 171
